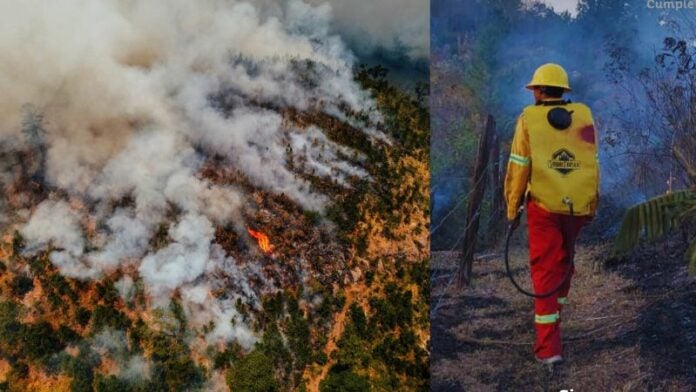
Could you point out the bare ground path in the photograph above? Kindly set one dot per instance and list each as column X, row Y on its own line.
column 631, row 326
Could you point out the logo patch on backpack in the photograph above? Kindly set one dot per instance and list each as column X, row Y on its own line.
column 563, row 161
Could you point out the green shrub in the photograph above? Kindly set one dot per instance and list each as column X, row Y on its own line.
column 344, row 381
column 110, row 384
column 81, row 369
column 253, row 373
column 38, row 341
column 312, row 217
column 174, row 369
column 82, row 316
column 108, row 291
column 22, row 285
column 105, row 316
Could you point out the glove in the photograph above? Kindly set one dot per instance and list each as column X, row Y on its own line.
column 515, row 222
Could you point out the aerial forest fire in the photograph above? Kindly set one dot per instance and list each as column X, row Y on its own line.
column 136, row 164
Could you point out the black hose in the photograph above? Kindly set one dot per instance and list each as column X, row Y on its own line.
column 570, row 249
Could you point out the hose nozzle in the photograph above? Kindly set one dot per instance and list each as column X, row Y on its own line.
column 516, row 221
column 569, row 204
column 520, row 210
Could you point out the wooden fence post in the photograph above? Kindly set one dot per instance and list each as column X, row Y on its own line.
column 473, row 211
column 495, row 226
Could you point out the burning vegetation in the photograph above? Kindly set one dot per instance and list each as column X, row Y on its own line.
column 248, row 220
column 263, row 241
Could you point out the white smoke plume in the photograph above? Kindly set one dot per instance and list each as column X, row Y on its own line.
column 112, row 344
column 125, row 287
column 55, row 223
column 385, row 24
column 183, row 260
column 135, row 95
column 314, row 149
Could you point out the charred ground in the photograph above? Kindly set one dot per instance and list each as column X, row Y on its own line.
column 629, row 325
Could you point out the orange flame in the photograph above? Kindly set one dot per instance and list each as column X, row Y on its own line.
column 262, row 239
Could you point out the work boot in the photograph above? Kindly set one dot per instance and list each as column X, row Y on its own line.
column 550, row 360
column 548, row 366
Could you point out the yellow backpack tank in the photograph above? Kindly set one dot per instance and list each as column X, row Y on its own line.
column 564, row 161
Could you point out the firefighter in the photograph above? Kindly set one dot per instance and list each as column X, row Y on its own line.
column 553, row 171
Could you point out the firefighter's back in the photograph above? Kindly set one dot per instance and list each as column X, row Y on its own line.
column 563, row 144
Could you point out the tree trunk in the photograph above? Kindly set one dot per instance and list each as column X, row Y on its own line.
column 473, row 212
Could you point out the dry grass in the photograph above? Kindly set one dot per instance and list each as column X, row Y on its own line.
column 482, row 335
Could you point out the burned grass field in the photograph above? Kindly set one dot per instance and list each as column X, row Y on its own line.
column 629, row 326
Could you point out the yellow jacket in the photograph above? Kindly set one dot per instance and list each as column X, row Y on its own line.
column 551, row 164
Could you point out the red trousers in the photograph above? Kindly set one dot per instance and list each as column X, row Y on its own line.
column 550, row 235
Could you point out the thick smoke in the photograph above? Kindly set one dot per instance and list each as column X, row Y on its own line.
column 183, row 260
column 395, row 25
column 55, row 223
column 135, row 95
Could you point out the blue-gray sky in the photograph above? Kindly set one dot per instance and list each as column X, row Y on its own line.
column 560, row 6
column 388, row 24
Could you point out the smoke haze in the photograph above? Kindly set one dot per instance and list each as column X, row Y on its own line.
column 394, row 25
column 131, row 93
column 484, row 53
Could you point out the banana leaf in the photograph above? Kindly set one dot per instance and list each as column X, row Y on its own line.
column 691, row 257
column 654, row 218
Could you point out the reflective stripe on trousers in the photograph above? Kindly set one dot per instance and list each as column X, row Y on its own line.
column 548, row 264
column 546, row 318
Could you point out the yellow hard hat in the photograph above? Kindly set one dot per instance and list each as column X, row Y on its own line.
column 549, row 74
